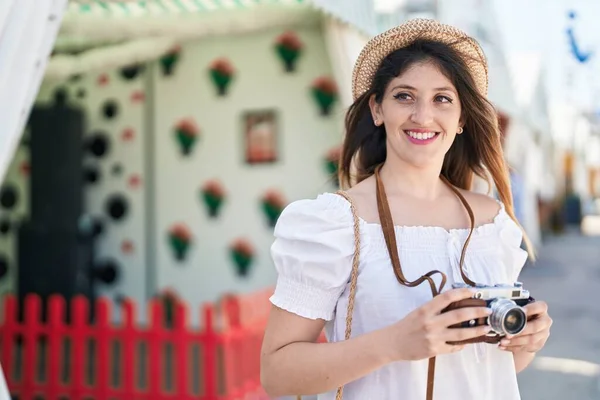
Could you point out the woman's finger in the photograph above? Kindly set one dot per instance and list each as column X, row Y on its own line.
column 514, row 349
column 536, row 308
column 538, row 325
column 525, row 340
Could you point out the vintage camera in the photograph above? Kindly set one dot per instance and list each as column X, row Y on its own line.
column 505, row 301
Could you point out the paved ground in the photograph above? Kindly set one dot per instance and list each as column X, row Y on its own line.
column 567, row 277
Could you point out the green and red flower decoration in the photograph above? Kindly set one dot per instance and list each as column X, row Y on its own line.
column 186, row 133
column 332, row 160
column 242, row 254
column 213, row 195
column 169, row 301
column 180, row 240
column 273, row 203
column 169, row 60
column 325, row 93
column 221, row 72
column 289, row 48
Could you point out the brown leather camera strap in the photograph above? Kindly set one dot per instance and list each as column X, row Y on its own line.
column 387, row 225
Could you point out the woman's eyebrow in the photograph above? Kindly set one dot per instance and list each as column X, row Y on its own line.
column 440, row 89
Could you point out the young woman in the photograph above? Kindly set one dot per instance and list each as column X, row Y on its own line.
column 418, row 131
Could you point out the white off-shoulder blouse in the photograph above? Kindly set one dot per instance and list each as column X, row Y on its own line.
column 312, row 252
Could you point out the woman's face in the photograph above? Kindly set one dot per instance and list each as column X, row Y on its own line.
column 421, row 113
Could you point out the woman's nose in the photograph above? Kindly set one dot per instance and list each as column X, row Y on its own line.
column 422, row 113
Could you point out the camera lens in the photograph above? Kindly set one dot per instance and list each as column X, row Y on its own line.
column 514, row 321
column 507, row 317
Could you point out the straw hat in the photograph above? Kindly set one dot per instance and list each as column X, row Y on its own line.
column 403, row 35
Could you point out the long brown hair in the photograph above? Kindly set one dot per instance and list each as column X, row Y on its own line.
column 478, row 151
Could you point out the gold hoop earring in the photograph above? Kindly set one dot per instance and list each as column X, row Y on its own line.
column 460, row 130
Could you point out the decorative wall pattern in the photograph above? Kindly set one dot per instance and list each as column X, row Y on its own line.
column 263, row 110
column 231, row 147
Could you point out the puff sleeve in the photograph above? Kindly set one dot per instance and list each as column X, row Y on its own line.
column 312, row 253
column 513, row 256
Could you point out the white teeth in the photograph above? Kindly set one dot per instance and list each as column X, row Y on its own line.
column 420, row 135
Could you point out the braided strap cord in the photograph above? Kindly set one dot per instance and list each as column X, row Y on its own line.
column 353, row 279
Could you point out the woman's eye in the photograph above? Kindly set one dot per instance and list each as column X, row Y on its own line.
column 443, row 99
column 402, row 96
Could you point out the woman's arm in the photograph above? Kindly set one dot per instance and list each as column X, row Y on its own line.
column 292, row 363
column 522, row 359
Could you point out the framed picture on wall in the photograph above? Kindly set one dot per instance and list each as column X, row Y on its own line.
column 260, row 137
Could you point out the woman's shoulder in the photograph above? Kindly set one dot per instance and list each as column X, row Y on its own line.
column 325, row 211
column 485, row 208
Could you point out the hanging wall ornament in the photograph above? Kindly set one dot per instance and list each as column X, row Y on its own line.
column 137, row 97
column 127, row 246
column 273, row 204
column 169, row 61
column 132, row 71
column 134, row 181
column 289, row 48
column 98, row 144
column 213, row 195
column 116, row 169
column 4, row 226
column 9, row 197
column 332, row 160
column 169, row 300
column 186, row 133
column 180, row 239
column 221, row 73
column 75, row 78
column 325, row 93
column 91, row 174
column 106, row 271
column 128, row 135
column 103, row 80
column 242, row 254
column 117, row 207
column 110, row 109
column 25, row 168
column 3, row 265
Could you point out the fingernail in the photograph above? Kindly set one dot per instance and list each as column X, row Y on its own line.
column 505, row 342
column 488, row 311
column 502, row 347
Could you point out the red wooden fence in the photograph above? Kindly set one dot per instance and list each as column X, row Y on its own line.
column 53, row 360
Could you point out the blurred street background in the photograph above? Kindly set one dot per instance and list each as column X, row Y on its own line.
column 566, row 276
column 148, row 147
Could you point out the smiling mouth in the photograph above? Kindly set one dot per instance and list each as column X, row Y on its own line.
column 422, row 137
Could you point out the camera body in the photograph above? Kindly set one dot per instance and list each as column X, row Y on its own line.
column 506, row 302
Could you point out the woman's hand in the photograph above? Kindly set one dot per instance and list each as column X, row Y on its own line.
column 424, row 333
column 535, row 334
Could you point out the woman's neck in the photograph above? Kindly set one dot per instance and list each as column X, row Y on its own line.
column 399, row 177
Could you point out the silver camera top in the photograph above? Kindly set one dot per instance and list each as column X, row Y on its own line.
column 486, row 292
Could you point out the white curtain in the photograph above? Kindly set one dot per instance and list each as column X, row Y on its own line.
column 344, row 44
column 4, row 394
column 28, row 30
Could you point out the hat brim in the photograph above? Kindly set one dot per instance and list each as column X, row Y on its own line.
column 403, row 35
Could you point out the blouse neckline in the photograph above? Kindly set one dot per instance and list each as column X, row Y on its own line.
column 500, row 216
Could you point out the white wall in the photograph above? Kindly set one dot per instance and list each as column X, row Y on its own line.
column 260, row 83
